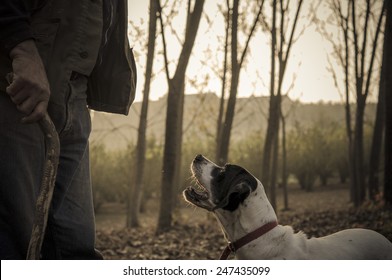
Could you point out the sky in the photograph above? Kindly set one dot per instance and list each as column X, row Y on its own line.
column 307, row 63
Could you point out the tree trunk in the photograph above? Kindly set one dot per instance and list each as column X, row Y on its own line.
column 170, row 157
column 136, row 197
column 362, row 84
column 174, row 115
column 223, row 147
column 236, row 64
column 284, row 165
column 388, row 105
column 358, row 160
column 271, row 128
column 282, row 49
column 274, row 170
column 230, row 110
column 219, row 126
column 375, row 152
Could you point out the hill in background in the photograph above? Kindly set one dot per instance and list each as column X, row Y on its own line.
column 200, row 114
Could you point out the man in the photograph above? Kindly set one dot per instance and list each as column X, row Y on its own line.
column 66, row 57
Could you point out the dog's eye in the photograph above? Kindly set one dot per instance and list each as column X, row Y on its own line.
column 220, row 176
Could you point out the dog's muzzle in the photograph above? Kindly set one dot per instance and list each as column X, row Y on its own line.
column 199, row 195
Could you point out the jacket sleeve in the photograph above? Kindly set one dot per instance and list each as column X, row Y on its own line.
column 14, row 23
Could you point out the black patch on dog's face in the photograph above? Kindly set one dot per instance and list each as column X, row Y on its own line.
column 231, row 185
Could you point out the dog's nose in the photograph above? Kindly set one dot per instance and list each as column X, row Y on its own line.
column 199, row 158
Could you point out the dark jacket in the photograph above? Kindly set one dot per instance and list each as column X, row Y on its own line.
column 68, row 35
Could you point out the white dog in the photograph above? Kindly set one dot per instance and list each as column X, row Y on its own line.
column 250, row 224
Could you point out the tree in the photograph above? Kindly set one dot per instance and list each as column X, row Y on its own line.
column 135, row 198
column 356, row 56
column 376, row 146
column 174, row 112
column 219, row 124
column 388, row 105
column 302, row 161
column 280, row 50
column 362, row 82
column 236, row 65
column 284, row 164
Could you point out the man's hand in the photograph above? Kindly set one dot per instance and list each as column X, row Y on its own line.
column 29, row 90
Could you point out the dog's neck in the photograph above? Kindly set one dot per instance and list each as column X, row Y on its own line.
column 253, row 213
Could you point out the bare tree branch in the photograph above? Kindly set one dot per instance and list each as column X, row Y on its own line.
column 251, row 33
column 163, row 40
column 355, row 37
column 370, row 70
column 364, row 43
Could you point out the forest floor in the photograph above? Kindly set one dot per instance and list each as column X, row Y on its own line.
column 196, row 234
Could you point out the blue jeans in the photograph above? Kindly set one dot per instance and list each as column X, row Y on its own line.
column 70, row 232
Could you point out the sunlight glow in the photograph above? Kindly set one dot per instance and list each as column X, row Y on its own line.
column 307, row 78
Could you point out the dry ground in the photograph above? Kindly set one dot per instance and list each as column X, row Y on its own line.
column 196, row 234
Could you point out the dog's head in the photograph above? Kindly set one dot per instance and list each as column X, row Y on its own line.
column 219, row 187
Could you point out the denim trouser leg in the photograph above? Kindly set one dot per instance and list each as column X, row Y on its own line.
column 70, row 231
column 21, row 160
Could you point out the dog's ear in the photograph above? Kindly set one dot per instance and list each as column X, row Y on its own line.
column 236, row 195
